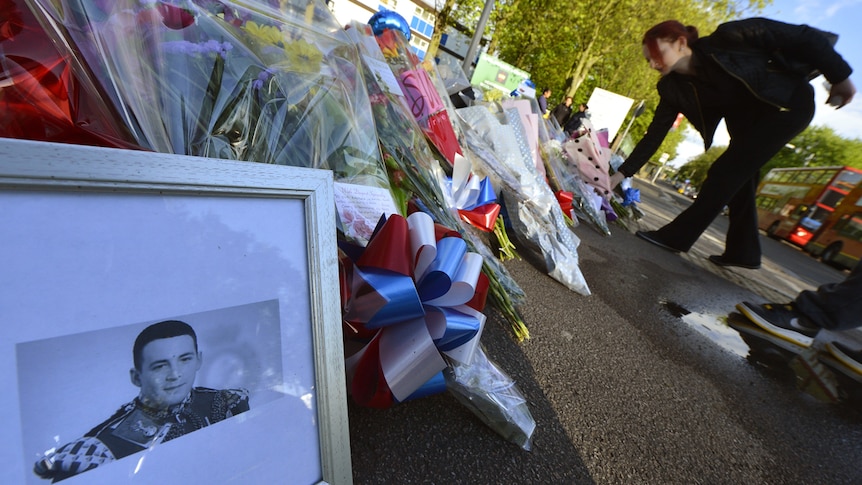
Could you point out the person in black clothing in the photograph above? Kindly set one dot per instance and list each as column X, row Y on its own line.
column 754, row 74
column 166, row 361
column 562, row 111
column 576, row 120
column 833, row 306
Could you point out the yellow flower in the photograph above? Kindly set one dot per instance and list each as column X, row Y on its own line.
column 265, row 34
column 303, row 57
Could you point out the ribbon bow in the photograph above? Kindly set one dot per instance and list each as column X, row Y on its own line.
column 474, row 199
column 565, row 198
column 408, row 298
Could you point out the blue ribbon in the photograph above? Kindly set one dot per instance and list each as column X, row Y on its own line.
column 435, row 385
column 486, row 194
column 460, row 328
column 388, row 298
column 438, row 280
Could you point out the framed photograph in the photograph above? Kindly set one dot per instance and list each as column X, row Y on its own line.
column 168, row 319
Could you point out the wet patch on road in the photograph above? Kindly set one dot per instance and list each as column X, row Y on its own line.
column 713, row 327
column 781, row 362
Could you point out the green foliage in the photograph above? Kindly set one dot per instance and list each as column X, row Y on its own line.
column 695, row 170
column 575, row 47
column 817, row 146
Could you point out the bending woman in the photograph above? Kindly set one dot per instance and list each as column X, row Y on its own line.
column 743, row 73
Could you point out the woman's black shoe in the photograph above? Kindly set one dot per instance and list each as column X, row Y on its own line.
column 652, row 237
column 720, row 261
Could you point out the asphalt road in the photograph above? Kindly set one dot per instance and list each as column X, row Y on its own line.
column 625, row 387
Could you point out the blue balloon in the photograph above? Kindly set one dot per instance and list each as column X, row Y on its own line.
column 387, row 19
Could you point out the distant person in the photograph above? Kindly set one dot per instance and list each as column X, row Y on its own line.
column 543, row 101
column 576, row 120
column 734, row 74
column 562, row 111
column 833, row 306
column 166, row 361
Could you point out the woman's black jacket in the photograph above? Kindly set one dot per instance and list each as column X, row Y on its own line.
column 767, row 56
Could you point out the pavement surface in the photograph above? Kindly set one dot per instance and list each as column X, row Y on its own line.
column 624, row 388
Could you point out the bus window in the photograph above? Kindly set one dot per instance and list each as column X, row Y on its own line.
column 848, row 179
column 831, row 198
column 808, row 178
column 850, row 227
column 784, row 176
column 801, row 211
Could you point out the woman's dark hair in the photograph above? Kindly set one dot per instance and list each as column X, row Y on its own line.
column 669, row 30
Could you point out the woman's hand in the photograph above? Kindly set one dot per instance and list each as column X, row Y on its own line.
column 616, row 178
column 841, row 94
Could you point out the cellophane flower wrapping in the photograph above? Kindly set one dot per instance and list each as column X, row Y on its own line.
column 563, row 176
column 416, row 169
column 493, row 397
column 588, row 152
column 452, row 75
column 41, row 98
column 496, row 136
column 264, row 81
column 423, row 99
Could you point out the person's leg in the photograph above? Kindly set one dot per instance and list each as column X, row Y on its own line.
column 742, row 243
column 755, row 138
column 834, row 306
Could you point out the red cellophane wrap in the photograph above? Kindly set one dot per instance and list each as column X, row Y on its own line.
column 40, row 97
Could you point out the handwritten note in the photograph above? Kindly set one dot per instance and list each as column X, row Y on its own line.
column 360, row 207
column 384, row 75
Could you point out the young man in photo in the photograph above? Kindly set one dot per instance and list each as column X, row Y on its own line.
column 166, row 362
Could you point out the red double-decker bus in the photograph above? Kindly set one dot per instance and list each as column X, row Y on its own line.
column 808, row 206
column 839, row 240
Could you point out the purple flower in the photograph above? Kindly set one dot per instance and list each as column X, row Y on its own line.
column 262, row 78
column 191, row 48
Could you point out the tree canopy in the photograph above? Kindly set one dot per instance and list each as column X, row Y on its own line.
column 573, row 48
column 818, row 146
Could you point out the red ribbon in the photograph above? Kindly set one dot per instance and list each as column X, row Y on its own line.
column 482, row 217
column 565, row 199
column 398, row 342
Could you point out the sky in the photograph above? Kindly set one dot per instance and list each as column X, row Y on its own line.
column 843, row 17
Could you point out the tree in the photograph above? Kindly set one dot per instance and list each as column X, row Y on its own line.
column 573, row 48
column 817, row 146
column 440, row 24
column 695, row 170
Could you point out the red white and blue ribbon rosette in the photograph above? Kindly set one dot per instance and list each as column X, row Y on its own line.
column 473, row 197
column 409, row 298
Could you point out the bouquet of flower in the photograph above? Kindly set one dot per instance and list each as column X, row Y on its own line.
column 40, row 97
column 563, row 177
column 266, row 81
column 417, row 87
column 235, row 80
column 500, row 143
column 417, row 172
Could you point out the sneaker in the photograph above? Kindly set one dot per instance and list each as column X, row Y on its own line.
column 652, row 237
column 848, row 357
column 720, row 261
column 781, row 320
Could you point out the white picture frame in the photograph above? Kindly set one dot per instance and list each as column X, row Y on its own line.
column 98, row 243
